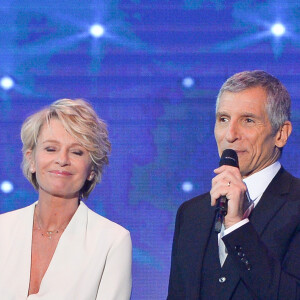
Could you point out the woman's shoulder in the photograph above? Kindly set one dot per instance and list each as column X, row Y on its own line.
column 15, row 222
column 95, row 220
column 17, row 214
column 104, row 232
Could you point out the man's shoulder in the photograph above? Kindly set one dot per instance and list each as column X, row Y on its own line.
column 195, row 211
column 285, row 183
column 196, row 204
column 294, row 188
column 287, row 173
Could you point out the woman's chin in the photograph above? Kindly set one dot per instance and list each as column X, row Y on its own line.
column 60, row 193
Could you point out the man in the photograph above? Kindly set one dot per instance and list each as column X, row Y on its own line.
column 254, row 257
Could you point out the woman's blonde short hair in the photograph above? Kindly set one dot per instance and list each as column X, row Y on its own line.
column 81, row 121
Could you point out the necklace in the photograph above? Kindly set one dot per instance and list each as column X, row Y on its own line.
column 48, row 233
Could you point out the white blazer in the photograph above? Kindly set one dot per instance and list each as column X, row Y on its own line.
column 92, row 260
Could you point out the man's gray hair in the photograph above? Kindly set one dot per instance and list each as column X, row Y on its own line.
column 278, row 99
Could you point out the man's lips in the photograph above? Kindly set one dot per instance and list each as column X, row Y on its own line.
column 237, row 151
column 240, row 151
column 61, row 173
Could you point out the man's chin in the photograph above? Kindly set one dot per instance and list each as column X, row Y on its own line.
column 245, row 173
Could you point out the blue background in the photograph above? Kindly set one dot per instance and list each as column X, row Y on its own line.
column 153, row 76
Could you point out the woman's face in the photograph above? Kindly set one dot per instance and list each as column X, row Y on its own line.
column 60, row 163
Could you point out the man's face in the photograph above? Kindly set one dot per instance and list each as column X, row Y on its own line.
column 242, row 124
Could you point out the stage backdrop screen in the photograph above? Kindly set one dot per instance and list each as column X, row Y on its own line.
column 152, row 70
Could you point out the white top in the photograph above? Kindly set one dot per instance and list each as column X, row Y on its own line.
column 92, row 260
column 256, row 186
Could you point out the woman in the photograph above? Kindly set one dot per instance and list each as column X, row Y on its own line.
column 57, row 248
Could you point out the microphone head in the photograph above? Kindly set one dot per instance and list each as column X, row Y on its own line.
column 229, row 158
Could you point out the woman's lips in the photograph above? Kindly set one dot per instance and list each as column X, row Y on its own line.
column 61, row 173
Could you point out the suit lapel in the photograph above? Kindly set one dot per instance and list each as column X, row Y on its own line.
column 272, row 200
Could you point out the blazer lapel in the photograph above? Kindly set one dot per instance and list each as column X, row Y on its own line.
column 70, row 249
column 272, row 200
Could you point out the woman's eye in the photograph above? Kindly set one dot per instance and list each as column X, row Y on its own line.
column 50, row 149
column 77, row 152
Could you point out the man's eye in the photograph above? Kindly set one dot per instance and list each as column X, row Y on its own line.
column 248, row 120
column 49, row 149
column 223, row 119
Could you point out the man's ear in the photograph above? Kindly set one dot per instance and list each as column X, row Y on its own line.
column 30, row 159
column 283, row 134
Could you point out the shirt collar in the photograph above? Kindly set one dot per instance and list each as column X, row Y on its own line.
column 258, row 182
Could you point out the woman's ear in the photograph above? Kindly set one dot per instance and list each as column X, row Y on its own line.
column 29, row 157
column 283, row 134
column 91, row 176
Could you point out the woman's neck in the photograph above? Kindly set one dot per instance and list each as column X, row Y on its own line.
column 54, row 212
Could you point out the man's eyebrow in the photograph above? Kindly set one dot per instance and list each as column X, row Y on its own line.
column 221, row 113
column 243, row 114
column 251, row 115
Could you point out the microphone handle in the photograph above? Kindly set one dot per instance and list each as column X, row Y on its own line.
column 221, row 212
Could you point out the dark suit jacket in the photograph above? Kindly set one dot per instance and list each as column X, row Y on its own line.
column 270, row 242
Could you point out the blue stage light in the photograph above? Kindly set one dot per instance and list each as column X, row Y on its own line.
column 97, row 30
column 278, row 29
column 188, row 82
column 187, row 186
column 7, row 83
column 6, row 186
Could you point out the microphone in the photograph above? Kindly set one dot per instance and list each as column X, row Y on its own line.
column 228, row 158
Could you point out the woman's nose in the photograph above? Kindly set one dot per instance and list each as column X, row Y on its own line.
column 62, row 158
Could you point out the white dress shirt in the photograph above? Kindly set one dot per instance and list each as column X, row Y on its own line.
column 92, row 260
column 256, row 186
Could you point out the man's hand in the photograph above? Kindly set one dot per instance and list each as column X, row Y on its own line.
column 228, row 182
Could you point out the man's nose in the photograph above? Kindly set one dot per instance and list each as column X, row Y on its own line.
column 233, row 132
